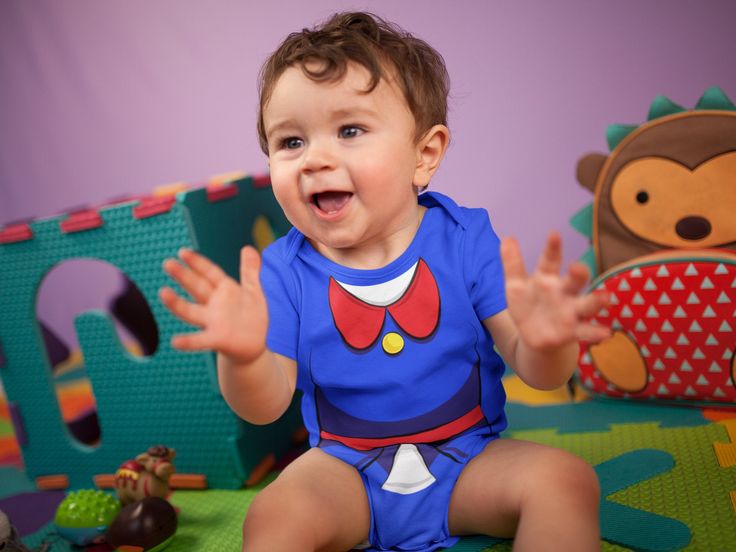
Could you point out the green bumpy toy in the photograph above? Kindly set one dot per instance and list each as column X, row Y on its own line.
column 84, row 516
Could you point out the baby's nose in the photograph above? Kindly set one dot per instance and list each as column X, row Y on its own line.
column 317, row 157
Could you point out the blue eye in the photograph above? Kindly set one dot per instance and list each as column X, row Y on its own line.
column 350, row 131
column 292, row 143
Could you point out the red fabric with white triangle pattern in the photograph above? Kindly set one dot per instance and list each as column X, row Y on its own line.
column 682, row 315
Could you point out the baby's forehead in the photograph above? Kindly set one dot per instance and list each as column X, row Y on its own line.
column 355, row 79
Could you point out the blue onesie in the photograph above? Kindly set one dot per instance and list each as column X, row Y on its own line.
column 398, row 374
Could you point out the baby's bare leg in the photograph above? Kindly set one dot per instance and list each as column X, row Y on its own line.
column 317, row 503
column 546, row 498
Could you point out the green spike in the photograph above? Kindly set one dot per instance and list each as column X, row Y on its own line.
column 715, row 98
column 616, row 133
column 588, row 258
column 662, row 106
column 582, row 221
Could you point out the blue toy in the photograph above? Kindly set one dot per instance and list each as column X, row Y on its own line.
column 83, row 516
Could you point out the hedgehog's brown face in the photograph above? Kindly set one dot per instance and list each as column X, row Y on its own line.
column 664, row 202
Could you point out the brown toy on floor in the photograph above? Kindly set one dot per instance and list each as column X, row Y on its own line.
column 148, row 524
column 146, row 475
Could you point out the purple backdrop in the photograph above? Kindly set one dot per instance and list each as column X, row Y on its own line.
column 102, row 99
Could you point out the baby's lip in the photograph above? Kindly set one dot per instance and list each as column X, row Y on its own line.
column 330, row 202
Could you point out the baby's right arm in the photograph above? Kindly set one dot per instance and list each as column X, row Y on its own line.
column 233, row 320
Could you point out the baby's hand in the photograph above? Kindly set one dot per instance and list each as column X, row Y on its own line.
column 548, row 309
column 232, row 316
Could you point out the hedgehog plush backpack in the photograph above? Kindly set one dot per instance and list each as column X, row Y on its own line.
column 662, row 227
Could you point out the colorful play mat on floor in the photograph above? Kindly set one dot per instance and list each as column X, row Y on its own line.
column 668, row 475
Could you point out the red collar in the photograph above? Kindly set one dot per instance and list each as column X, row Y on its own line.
column 416, row 312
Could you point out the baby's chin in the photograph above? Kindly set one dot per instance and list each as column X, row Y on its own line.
column 330, row 244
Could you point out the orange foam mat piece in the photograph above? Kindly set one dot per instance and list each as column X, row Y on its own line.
column 717, row 415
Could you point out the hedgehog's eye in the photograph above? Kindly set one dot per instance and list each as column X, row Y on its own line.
column 642, row 197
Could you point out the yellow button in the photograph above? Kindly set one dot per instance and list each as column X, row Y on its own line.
column 393, row 343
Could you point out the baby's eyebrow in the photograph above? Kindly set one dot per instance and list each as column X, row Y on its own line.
column 279, row 125
column 346, row 113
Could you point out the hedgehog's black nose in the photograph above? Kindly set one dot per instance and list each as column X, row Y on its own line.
column 693, row 228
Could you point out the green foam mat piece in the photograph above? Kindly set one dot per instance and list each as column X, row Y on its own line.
column 213, row 522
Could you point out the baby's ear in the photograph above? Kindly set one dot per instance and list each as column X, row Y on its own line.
column 430, row 152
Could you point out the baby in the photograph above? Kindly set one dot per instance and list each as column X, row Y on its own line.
column 382, row 306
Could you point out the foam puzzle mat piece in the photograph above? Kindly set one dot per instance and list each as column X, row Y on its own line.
column 599, row 415
column 198, row 519
column 634, row 527
column 716, row 415
column 31, row 511
column 642, row 531
column 47, row 534
column 140, row 401
column 726, row 452
column 627, row 469
column 474, row 544
column 13, row 481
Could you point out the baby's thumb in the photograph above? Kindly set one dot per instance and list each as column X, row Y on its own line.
column 250, row 265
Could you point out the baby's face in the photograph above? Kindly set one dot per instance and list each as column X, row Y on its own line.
column 343, row 161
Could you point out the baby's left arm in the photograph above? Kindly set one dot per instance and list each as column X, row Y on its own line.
column 538, row 334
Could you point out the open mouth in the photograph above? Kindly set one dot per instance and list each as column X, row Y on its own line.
column 331, row 202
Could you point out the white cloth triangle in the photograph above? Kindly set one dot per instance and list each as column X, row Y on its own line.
column 409, row 474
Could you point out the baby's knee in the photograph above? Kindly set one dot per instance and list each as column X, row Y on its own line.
column 585, row 479
column 259, row 520
column 271, row 521
column 565, row 475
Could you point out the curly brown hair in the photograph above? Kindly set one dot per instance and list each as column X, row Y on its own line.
column 377, row 45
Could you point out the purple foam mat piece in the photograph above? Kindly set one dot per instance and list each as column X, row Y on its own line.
column 29, row 512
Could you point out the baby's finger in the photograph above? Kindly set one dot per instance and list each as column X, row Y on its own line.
column 589, row 305
column 196, row 341
column 203, row 266
column 190, row 313
column 592, row 333
column 513, row 262
column 195, row 285
column 551, row 259
column 576, row 278
column 250, row 266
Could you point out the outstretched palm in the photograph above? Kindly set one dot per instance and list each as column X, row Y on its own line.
column 232, row 316
column 546, row 307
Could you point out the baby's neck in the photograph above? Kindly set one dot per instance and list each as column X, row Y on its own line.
column 374, row 253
